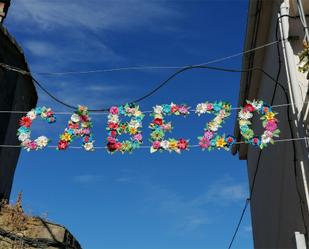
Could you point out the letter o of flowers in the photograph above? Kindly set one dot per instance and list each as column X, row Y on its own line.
column 115, row 128
column 159, row 127
column 24, row 131
column 210, row 139
column 270, row 123
column 79, row 125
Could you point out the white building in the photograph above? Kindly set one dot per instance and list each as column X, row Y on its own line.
column 279, row 198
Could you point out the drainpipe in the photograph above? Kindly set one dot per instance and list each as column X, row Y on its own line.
column 296, row 97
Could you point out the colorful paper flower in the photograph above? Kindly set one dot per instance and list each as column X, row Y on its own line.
column 270, row 123
column 210, row 140
column 79, row 125
column 115, row 128
column 159, row 126
column 24, row 131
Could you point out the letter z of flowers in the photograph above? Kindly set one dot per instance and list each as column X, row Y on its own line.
column 210, row 139
column 116, row 127
column 78, row 126
column 270, row 123
column 24, row 131
column 159, row 127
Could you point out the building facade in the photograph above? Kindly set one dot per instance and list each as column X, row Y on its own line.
column 277, row 174
column 17, row 93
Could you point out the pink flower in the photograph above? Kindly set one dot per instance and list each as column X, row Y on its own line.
column 209, row 107
column 156, row 145
column 31, row 145
column 138, row 137
column 208, row 134
column 114, row 110
column 183, row 109
column 271, row 125
column 85, row 131
column 204, row 142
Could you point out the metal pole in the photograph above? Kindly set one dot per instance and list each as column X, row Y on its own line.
column 296, row 96
column 303, row 19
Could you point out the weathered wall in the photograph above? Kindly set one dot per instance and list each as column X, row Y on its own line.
column 17, row 92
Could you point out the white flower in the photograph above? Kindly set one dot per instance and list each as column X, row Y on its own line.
column 265, row 139
column 89, row 146
column 75, row 118
column 31, row 114
column 113, row 118
column 165, row 144
column 257, row 104
column 245, row 115
column 41, row 141
column 201, row 108
column 134, row 124
column 158, row 109
column 153, row 150
column 23, row 136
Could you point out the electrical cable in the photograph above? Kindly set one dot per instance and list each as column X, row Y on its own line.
column 162, row 84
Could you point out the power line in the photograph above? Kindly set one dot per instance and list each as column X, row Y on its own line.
column 148, row 111
column 131, row 68
column 148, row 146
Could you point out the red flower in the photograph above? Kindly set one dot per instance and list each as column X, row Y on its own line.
column 86, row 139
column 73, row 125
column 113, row 146
column 158, row 121
column 113, row 133
column 174, row 108
column 112, row 126
column 84, row 118
column 182, row 144
column 25, row 121
column 249, row 108
column 62, row 145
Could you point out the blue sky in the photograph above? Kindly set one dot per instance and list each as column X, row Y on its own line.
column 142, row 200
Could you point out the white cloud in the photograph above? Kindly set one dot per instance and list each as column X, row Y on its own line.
column 93, row 15
column 87, row 178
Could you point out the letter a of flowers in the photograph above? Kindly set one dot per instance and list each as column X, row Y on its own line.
column 270, row 123
column 210, row 139
column 24, row 131
column 159, row 126
column 78, row 126
column 115, row 128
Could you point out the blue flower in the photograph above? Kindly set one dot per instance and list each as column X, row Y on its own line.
column 166, row 108
column 230, row 140
column 213, row 142
column 38, row 110
column 217, row 107
column 23, row 129
column 265, row 108
column 70, row 131
column 244, row 128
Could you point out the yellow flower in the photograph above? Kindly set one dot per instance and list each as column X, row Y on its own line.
column 132, row 130
column 270, row 115
column 220, row 143
column 173, row 145
column 66, row 137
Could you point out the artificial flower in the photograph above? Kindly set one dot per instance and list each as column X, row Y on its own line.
column 25, row 121
column 41, row 141
column 220, row 143
column 75, row 118
column 88, row 146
